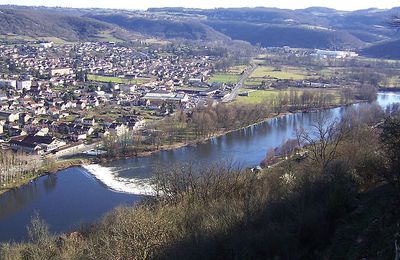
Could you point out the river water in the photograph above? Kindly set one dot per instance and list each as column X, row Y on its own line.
column 80, row 195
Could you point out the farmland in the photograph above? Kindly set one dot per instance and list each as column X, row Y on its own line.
column 231, row 76
column 259, row 96
column 225, row 78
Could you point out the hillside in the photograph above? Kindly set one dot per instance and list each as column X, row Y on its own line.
column 388, row 50
column 287, row 35
column 309, row 28
column 314, row 27
column 29, row 24
column 163, row 27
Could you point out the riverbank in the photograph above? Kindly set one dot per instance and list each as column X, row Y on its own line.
column 51, row 168
column 62, row 164
column 220, row 133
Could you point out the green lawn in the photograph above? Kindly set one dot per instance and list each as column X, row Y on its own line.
column 225, row 78
column 283, row 73
column 259, row 96
column 116, row 79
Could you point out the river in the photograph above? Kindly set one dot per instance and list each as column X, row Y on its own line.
column 81, row 195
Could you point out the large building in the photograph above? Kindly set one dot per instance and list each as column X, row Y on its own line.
column 325, row 54
column 24, row 84
column 35, row 144
column 164, row 97
column 10, row 116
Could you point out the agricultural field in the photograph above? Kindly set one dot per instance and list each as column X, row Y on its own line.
column 265, row 75
column 260, row 96
column 231, row 76
column 225, row 78
column 237, row 69
column 257, row 96
column 280, row 73
column 118, row 80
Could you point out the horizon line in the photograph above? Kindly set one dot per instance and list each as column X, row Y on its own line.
column 195, row 8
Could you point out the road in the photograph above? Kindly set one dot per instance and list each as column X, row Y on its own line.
column 232, row 96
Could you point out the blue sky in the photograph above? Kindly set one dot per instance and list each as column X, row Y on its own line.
column 143, row 4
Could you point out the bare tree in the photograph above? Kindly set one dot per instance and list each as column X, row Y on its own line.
column 322, row 141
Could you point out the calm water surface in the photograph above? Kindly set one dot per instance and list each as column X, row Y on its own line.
column 79, row 195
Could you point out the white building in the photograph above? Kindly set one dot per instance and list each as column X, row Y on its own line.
column 8, row 83
column 46, row 45
column 325, row 54
column 24, row 84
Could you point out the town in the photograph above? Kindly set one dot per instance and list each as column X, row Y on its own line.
column 64, row 99
column 57, row 98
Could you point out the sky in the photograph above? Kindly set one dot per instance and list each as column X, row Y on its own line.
column 144, row 4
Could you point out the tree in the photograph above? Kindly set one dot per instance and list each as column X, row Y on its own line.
column 322, row 141
column 390, row 138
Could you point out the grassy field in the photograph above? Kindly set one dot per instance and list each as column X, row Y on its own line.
column 267, row 75
column 237, row 69
column 116, row 79
column 225, row 78
column 11, row 37
column 257, row 96
column 282, row 73
column 260, row 96
column 231, row 76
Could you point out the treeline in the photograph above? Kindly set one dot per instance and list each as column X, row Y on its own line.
column 185, row 127
column 15, row 167
column 329, row 205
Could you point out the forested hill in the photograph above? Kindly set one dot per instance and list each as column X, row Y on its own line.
column 164, row 27
column 387, row 49
column 32, row 23
column 323, row 26
column 315, row 27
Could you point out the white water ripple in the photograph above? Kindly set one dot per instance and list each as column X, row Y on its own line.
column 108, row 177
